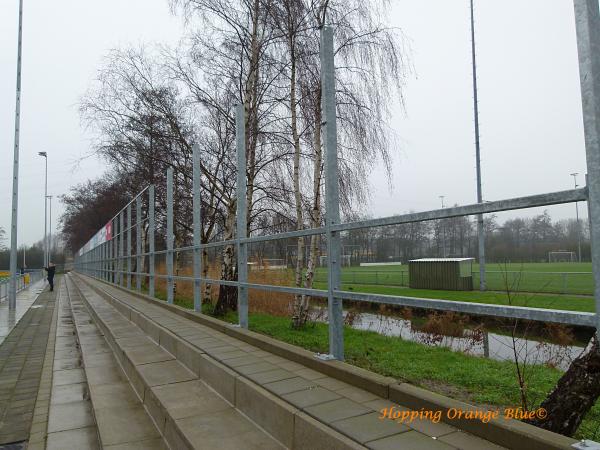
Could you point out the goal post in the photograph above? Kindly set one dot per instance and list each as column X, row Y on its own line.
column 561, row 256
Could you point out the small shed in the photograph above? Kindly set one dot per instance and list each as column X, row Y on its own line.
column 451, row 274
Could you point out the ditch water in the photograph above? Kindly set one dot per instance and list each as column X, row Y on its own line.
column 473, row 342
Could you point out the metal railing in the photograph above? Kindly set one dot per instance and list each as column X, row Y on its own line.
column 106, row 258
column 21, row 282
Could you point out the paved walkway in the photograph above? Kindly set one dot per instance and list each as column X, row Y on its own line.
column 25, row 298
column 22, row 354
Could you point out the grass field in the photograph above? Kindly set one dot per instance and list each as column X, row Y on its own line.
column 565, row 302
column 563, row 278
column 362, row 279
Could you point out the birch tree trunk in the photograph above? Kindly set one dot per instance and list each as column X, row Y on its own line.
column 228, row 294
column 251, row 103
column 574, row 395
column 206, row 292
column 300, row 304
column 316, row 207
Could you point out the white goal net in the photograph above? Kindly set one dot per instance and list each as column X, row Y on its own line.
column 561, row 256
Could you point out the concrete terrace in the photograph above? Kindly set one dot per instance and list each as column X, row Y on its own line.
column 108, row 368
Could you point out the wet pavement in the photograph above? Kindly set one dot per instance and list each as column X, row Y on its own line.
column 25, row 299
column 22, row 356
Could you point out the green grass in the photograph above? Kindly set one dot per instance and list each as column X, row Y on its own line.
column 477, row 380
column 532, row 277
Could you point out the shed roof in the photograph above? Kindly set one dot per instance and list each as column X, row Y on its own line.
column 442, row 259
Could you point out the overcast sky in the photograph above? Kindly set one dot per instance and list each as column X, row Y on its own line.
column 530, row 105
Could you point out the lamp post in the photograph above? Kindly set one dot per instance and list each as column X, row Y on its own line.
column 49, row 197
column 574, row 175
column 45, row 155
column 12, row 291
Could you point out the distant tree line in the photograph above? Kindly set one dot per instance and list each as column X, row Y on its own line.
column 517, row 240
column 34, row 255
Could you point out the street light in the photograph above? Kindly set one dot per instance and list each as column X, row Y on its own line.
column 442, row 197
column 45, row 155
column 50, row 233
column 574, row 175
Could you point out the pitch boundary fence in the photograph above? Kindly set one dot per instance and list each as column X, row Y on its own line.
column 111, row 258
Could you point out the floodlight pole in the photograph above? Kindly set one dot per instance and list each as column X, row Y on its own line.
column 480, row 229
column 574, row 175
column 12, row 291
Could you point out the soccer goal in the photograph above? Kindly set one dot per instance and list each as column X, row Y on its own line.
column 346, row 260
column 561, row 256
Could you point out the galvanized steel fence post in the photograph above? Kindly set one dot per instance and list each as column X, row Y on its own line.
column 107, row 261
column 115, row 250
column 587, row 23
column 138, row 243
column 129, row 227
column 121, row 246
column 104, row 262
column 170, row 235
column 332, row 196
column 109, row 244
column 197, row 219
column 151, row 232
column 242, row 249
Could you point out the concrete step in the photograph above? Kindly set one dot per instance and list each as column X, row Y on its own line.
column 117, row 418
column 188, row 413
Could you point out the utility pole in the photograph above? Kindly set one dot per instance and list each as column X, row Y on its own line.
column 46, row 260
column 480, row 229
column 12, row 291
column 574, row 175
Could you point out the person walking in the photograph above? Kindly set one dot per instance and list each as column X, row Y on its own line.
column 51, row 270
